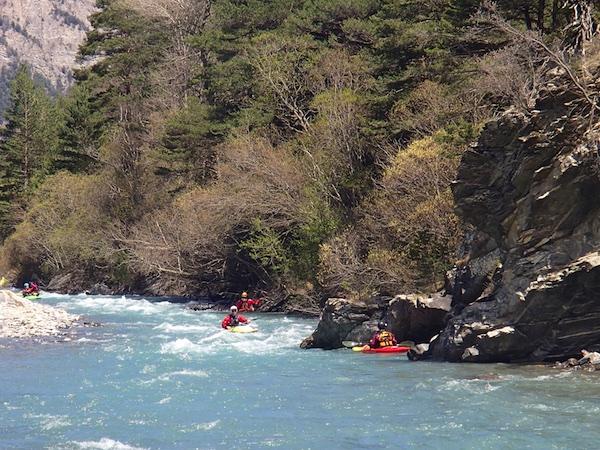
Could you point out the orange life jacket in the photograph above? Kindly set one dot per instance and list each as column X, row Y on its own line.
column 386, row 339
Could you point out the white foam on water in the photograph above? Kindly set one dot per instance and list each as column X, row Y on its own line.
column 183, row 347
column 178, row 328
column 206, row 426
column 471, row 386
column 165, row 400
column 280, row 340
column 54, row 422
column 220, row 337
column 541, row 407
column 49, row 422
column 148, row 368
column 184, row 373
column 105, row 444
column 116, row 305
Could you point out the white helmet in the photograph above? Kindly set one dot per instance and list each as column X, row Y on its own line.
column 233, row 308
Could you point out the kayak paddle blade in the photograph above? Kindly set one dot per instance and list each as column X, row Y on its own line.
column 358, row 348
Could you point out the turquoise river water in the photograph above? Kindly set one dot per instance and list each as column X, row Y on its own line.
column 158, row 376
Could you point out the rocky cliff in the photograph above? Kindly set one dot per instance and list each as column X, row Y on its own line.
column 44, row 34
column 529, row 288
column 531, row 186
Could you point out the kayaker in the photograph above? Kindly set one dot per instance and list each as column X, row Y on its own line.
column 30, row 289
column 382, row 337
column 233, row 319
column 247, row 304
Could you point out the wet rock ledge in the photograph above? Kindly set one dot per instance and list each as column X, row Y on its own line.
column 21, row 318
column 413, row 317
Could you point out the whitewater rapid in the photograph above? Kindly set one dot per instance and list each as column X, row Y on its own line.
column 156, row 375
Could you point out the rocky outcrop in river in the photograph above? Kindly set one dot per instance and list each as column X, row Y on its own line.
column 413, row 317
column 21, row 318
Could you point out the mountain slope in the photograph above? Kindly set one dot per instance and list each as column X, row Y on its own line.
column 45, row 34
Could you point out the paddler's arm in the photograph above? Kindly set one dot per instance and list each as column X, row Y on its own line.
column 225, row 323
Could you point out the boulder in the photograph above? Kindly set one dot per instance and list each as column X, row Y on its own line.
column 590, row 362
column 417, row 317
column 409, row 317
column 338, row 319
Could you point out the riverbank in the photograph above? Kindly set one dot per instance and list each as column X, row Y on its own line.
column 22, row 318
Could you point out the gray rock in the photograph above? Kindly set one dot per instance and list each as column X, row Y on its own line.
column 531, row 185
column 410, row 317
column 418, row 352
column 338, row 319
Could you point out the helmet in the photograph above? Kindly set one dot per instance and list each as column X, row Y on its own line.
column 382, row 325
column 244, row 295
column 233, row 308
column 26, row 285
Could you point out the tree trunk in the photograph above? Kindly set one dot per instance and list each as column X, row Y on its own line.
column 527, row 15
column 555, row 6
column 540, row 15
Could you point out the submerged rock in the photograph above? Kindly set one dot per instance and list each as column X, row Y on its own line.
column 22, row 318
column 410, row 317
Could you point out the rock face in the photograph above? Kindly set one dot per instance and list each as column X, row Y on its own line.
column 531, row 188
column 21, row 318
column 410, row 317
column 44, row 34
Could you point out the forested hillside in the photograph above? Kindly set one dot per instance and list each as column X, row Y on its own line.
column 304, row 148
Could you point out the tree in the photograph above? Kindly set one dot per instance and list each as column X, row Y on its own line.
column 28, row 143
column 187, row 153
column 81, row 132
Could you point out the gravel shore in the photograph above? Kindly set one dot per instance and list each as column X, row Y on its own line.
column 21, row 318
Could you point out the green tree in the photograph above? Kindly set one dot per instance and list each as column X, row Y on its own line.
column 80, row 133
column 188, row 151
column 28, row 143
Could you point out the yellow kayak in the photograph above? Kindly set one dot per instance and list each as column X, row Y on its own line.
column 243, row 329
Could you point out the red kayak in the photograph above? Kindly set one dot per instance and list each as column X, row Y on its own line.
column 396, row 349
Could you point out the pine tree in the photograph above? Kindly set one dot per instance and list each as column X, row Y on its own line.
column 80, row 132
column 27, row 144
column 188, row 149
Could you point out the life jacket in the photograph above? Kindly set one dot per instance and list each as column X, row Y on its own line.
column 386, row 339
column 244, row 305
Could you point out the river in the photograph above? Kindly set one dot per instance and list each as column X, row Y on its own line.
column 158, row 376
